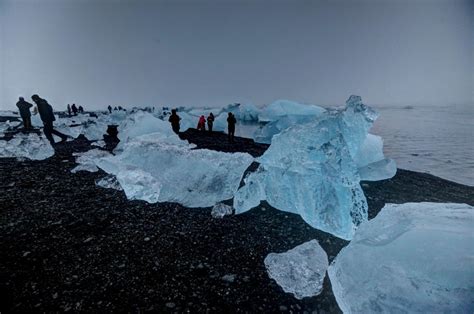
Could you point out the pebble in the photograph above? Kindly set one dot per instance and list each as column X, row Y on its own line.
column 170, row 305
column 147, row 239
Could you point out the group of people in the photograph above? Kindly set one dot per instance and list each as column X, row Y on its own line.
column 46, row 114
column 115, row 108
column 74, row 109
column 231, row 121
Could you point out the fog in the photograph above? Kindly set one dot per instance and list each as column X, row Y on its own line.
column 212, row 53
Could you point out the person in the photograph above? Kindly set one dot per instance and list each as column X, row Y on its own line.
column 115, row 108
column 74, row 109
column 24, row 108
column 81, row 110
column 174, row 119
column 110, row 108
column 69, row 109
column 231, row 126
column 47, row 116
column 201, row 124
column 210, row 121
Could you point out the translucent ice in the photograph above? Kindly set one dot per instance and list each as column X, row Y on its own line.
column 371, row 162
column 220, row 210
column 285, row 108
column 309, row 170
column 87, row 160
column 155, row 169
column 29, row 146
column 109, row 182
column 411, row 258
column 299, row 271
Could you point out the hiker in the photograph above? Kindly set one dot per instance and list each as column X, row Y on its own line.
column 47, row 116
column 231, row 126
column 110, row 109
column 69, row 110
column 174, row 119
column 81, row 110
column 210, row 121
column 74, row 109
column 201, row 124
column 24, row 108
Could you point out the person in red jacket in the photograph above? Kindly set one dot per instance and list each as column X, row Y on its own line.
column 202, row 124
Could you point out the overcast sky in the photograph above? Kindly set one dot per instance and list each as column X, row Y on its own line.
column 198, row 53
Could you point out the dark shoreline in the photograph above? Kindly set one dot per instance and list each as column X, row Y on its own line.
column 68, row 245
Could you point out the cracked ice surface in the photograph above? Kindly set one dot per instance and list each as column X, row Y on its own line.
column 87, row 160
column 160, row 168
column 413, row 257
column 310, row 170
column 29, row 146
column 299, row 271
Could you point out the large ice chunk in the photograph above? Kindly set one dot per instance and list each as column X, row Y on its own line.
column 371, row 162
column 285, row 108
column 29, row 146
column 87, row 160
column 301, row 270
column 411, row 258
column 310, row 170
column 282, row 114
column 154, row 169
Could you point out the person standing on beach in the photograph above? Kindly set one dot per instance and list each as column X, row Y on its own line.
column 24, row 108
column 201, row 124
column 68, row 109
column 174, row 119
column 110, row 108
column 210, row 121
column 231, row 121
column 74, row 109
column 81, row 109
column 47, row 116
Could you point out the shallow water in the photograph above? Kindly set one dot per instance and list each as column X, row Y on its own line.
column 436, row 140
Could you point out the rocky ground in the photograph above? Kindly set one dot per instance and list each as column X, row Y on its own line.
column 68, row 245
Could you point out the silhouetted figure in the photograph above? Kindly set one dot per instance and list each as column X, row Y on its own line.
column 47, row 116
column 24, row 108
column 201, row 124
column 74, row 109
column 174, row 119
column 81, row 109
column 120, row 108
column 210, row 121
column 68, row 109
column 231, row 126
column 110, row 108
column 115, row 109
column 111, row 139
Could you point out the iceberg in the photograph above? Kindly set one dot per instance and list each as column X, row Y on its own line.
column 371, row 162
column 309, row 170
column 282, row 114
column 285, row 108
column 300, row 271
column 220, row 210
column 31, row 146
column 411, row 258
column 156, row 168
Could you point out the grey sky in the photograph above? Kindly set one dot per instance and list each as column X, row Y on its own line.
column 197, row 53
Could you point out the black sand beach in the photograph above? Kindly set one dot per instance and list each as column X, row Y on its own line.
column 68, row 245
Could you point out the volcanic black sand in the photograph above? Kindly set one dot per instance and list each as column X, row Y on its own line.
column 68, row 245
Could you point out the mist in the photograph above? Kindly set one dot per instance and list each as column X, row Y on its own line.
column 212, row 53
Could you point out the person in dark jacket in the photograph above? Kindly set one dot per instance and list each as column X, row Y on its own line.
column 81, row 109
column 110, row 108
column 74, row 109
column 231, row 121
column 174, row 119
column 210, row 121
column 47, row 116
column 24, row 108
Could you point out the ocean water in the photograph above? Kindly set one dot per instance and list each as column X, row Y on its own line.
column 435, row 140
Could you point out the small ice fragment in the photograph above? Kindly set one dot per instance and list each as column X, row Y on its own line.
column 220, row 210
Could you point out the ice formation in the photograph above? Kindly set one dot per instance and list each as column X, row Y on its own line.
column 220, row 210
column 411, row 258
column 371, row 162
column 109, row 182
column 285, row 108
column 282, row 114
column 309, row 170
column 29, row 146
column 156, row 168
column 87, row 160
column 301, row 270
